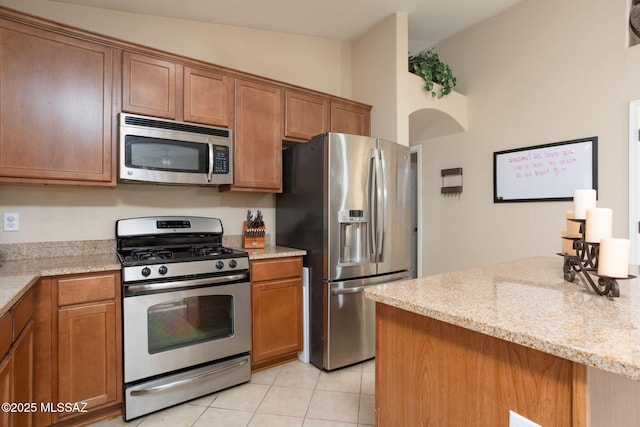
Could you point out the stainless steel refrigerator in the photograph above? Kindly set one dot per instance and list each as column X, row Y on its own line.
column 346, row 200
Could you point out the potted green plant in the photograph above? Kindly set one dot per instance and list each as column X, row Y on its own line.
column 427, row 65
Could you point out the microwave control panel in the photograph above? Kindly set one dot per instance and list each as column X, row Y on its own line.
column 221, row 159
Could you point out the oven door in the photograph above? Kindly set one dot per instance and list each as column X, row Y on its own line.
column 168, row 331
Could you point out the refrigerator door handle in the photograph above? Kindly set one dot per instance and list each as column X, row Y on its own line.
column 346, row 291
column 382, row 205
column 377, row 199
column 373, row 242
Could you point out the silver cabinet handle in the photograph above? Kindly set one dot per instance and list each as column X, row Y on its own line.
column 186, row 381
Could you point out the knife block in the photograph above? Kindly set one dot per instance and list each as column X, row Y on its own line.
column 253, row 238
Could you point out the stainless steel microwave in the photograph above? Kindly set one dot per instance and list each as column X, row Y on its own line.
column 170, row 152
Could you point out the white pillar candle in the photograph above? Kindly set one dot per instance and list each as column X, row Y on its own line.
column 599, row 224
column 583, row 200
column 613, row 258
column 567, row 244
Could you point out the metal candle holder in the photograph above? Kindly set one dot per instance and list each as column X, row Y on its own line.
column 585, row 261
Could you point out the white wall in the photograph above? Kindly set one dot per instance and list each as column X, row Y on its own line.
column 541, row 72
column 58, row 214
column 376, row 58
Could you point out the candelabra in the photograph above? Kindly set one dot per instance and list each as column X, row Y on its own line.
column 585, row 261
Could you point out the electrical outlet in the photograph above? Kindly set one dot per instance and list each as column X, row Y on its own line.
column 11, row 221
column 517, row 420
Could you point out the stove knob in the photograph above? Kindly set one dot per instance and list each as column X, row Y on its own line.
column 163, row 269
column 146, row 271
column 233, row 263
column 219, row 265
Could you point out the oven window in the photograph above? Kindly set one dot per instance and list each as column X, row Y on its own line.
column 161, row 154
column 187, row 321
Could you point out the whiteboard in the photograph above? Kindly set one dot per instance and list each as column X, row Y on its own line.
column 546, row 172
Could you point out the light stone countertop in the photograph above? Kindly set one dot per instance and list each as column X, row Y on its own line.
column 271, row 251
column 18, row 275
column 528, row 302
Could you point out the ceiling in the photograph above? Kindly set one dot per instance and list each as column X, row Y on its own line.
column 430, row 21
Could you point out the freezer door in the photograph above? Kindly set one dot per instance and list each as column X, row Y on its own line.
column 350, row 321
column 391, row 217
column 349, row 177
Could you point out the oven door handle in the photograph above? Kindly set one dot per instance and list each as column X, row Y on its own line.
column 186, row 381
column 185, row 283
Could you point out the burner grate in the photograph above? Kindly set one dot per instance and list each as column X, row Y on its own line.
column 151, row 254
column 209, row 250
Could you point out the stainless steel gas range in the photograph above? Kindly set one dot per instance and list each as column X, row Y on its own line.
column 186, row 311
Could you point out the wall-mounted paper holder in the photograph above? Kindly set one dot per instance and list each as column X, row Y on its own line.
column 451, row 176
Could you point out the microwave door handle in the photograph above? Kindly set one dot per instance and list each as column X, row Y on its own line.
column 210, row 172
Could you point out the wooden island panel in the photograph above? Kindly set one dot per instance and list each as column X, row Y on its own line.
column 431, row 373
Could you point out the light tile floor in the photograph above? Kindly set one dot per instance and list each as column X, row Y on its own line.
column 290, row 395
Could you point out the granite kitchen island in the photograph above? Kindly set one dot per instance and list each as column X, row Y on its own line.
column 465, row 348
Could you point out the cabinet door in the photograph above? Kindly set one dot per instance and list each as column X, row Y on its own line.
column 55, row 108
column 207, row 97
column 23, row 374
column 347, row 118
column 149, row 86
column 305, row 116
column 5, row 388
column 258, row 137
column 87, row 354
column 277, row 319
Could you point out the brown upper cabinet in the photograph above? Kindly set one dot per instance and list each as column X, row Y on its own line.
column 258, row 138
column 305, row 116
column 55, row 108
column 350, row 118
column 164, row 88
column 62, row 88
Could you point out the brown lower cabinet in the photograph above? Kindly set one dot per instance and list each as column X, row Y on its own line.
column 431, row 373
column 79, row 350
column 276, row 310
column 16, row 363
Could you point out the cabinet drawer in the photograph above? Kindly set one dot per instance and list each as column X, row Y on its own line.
column 76, row 290
column 22, row 312
column 276, row 268
column 5, row 334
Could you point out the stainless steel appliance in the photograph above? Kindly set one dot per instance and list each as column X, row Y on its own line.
column 186, row 311
column 171, row 152
column 346, row 200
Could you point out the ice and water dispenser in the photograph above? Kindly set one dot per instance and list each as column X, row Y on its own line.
column 353, row 236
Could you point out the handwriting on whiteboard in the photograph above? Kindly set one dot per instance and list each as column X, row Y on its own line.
column 543, row 163
column 545, row 172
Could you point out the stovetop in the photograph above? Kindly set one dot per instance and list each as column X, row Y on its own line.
column 155, row 255
column 163, row 248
